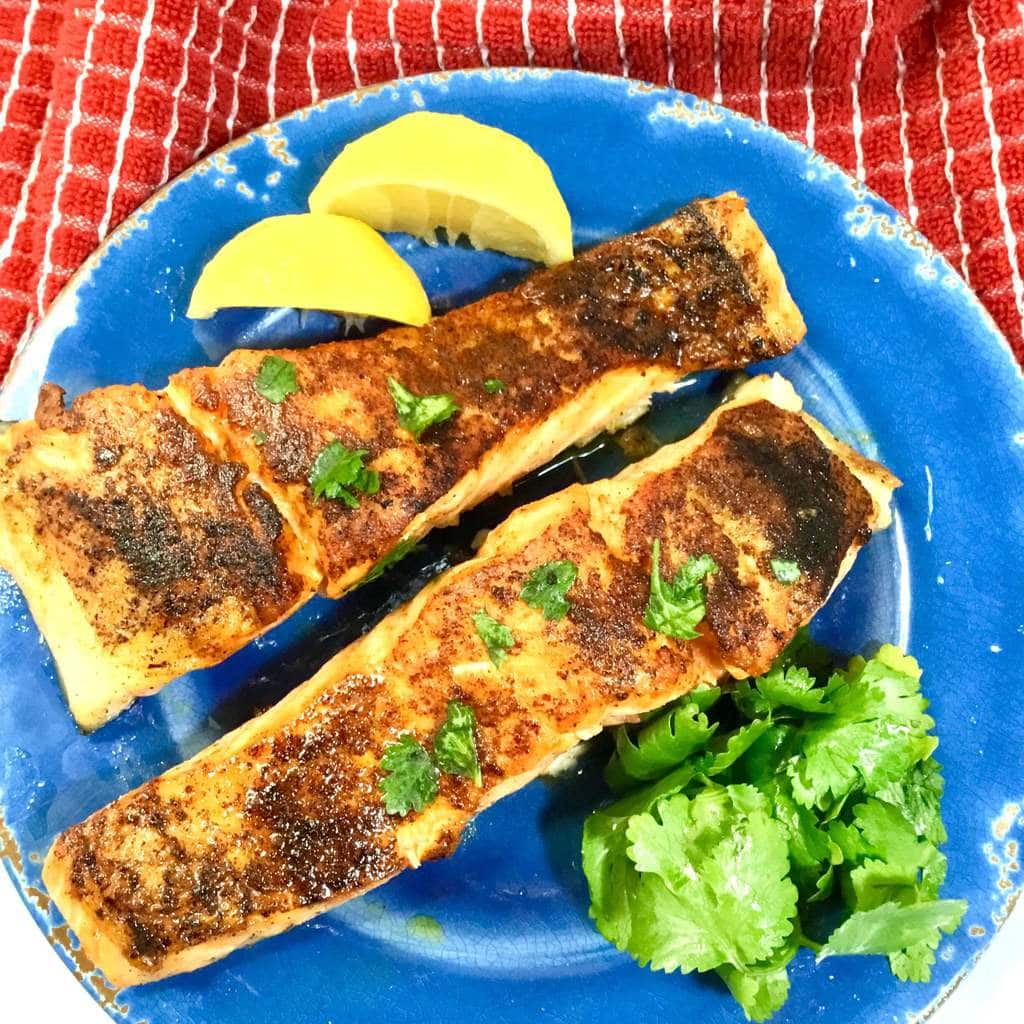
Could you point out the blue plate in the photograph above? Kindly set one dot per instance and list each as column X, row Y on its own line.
column 900, row 360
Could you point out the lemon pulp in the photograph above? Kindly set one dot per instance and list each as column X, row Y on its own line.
column 311, row 261
column 425, row 170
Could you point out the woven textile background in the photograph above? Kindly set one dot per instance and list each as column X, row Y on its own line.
column 101, row 101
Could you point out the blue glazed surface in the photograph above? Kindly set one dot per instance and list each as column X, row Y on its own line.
column 900, row 361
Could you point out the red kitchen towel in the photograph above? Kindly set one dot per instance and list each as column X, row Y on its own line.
column 101, row 101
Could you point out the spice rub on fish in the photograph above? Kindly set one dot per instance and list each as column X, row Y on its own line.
column 284, row 817
column 142, row 553
column 573, row 350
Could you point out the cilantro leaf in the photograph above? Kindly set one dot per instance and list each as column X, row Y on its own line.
column 610, row 874
column 611, row 877
column 891, row 928
column 727, row 750
column 890, row 862
column 851, row 843
column 803, row 651
column 789, row 688
column 809, row 845
column 714, row 883
column 915, row 962
column 404, row 547
column 896, row 866
column 660, row 744
column 824, row 886
column 759, row 992
column 888, row 835
column 455, row 743
column 498, row 639
column 546, row 587
column 765, row 757
column 749, row 701
column 259, row 437
column 876, row 730
column 876, row 882
column 793, row 687
column 417, row 412
column 275, row 380
column 410, row 779
column 785, row 571
column 492, row 385
column 918, row 794
column 338, row 471
column 704, row 696
column 676, row 606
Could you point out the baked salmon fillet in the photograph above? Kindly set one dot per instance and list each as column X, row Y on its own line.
column 284, row 818
column 141, row 552
column 154, row 534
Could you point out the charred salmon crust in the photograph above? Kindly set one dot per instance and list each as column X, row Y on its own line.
column 140, row 549
column 137, row 571
column 283, row 818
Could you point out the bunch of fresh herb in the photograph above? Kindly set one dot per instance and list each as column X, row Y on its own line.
column 800, row 810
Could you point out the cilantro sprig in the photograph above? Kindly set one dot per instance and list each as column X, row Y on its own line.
column 455, row 743
column 417, row 412
column 275, row 379
column 409, row 780
column 676, row 606
column 546, row 587
column 410, row 774
column 338, row 472
column 897, row 931
column 812, row 793
column 496, row 637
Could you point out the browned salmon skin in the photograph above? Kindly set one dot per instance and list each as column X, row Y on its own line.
column 156, row 534
column 283, row 819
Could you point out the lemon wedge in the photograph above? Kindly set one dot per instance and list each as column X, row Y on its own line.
column 311, row 261
column 424, row 170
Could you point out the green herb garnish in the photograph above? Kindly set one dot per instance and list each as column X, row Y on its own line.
column 785, row 571
column 741, row 814
column 404, row 547
column 259, row 437
column 677, row 605
column 692, row 856
column 409, row 779
column 875, row 731
column 417, row 412
column 492, row 385
column 498, row 639
column 662, row 743
column 546, row 587
column 782, row 691
column 275, row 380
column 910, row 933
column 338, row 471
column 455, row 743
column 410, row 782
